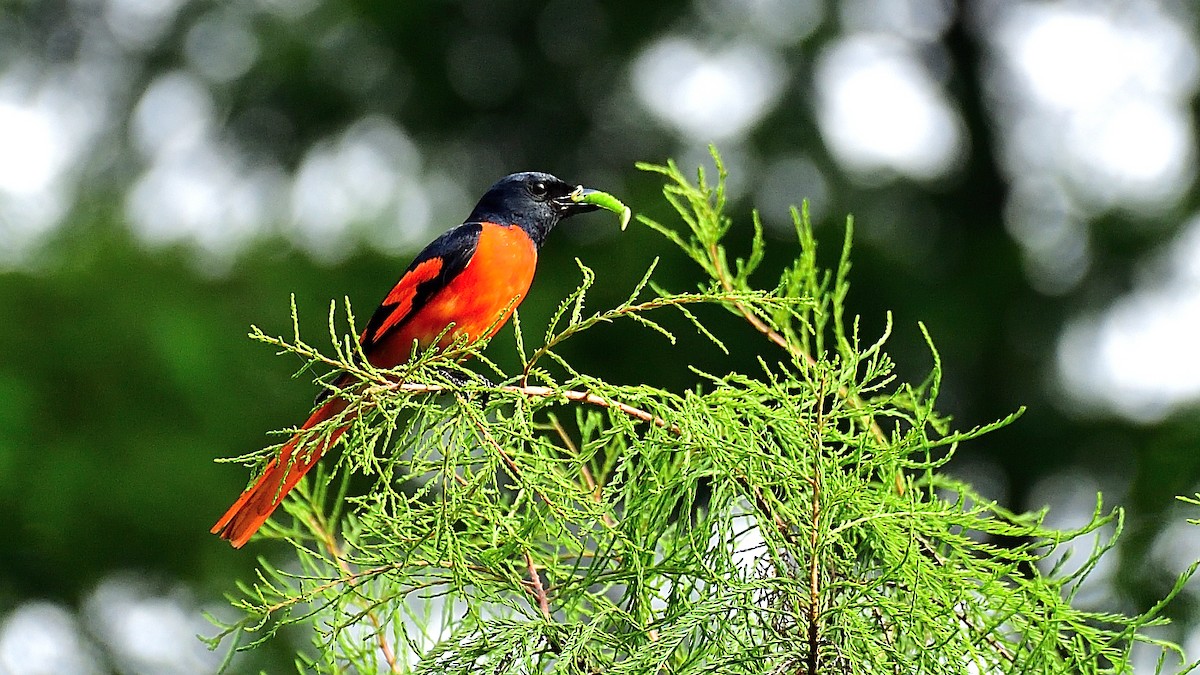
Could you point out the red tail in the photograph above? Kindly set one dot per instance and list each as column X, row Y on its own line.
column 257, row 503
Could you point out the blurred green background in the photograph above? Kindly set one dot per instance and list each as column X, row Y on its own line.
column 1022, row 177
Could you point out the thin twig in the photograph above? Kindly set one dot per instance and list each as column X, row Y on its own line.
column 536, row 588
column 754, row 320
column 330, row 543
column 597, row 495
column 626, row 309
column 591, row 399
column 513, row 469
column 961, row 613
column 353, row 581
column 585, row 473
column 855, row 401
column 814, row 568
column 537, row 391
column 773, row 335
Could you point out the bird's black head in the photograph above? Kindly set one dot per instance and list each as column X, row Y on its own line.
column 531, row 200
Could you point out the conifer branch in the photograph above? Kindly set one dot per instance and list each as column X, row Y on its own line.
column 739, row 525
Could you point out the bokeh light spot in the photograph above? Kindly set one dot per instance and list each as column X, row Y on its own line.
column 149, row 631
column 917, row 20
column 32, row 157
column 1097, row 93
column 141, row 24
column 880, row 110
column 356, row 181
column 40, row 638
column 706, row 94
column 221, row 46
column 778, row 22
column 1139, row 357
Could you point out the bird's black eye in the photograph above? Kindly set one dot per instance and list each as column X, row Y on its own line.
column 538, row 189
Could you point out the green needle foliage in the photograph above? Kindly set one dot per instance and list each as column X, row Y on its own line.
column 793, row 521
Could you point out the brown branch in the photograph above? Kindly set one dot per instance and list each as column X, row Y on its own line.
column 537, row 391
column 588, row 398
column 761, row 326
column 814, row 540
column 814, row 588
column 774, row 336
column 535, row 587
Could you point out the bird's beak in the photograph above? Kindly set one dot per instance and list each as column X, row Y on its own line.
column 569, row 204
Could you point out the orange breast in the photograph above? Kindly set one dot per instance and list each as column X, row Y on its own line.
column 478, row 301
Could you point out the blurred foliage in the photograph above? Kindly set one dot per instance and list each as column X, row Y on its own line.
column 127, row 369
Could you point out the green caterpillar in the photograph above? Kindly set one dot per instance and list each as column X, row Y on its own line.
column 604, row 201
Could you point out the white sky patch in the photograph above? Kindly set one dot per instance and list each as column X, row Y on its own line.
column 30, row 165
column 880, row 109
column 1139, row 357
column 746, row 540
column 708, row 94
column 33, row 158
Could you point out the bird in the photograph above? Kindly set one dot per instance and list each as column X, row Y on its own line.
column 465, row 284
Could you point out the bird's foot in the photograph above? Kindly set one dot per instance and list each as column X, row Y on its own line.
column 465, row 378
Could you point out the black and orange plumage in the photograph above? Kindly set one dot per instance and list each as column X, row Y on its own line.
column 471, row 277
